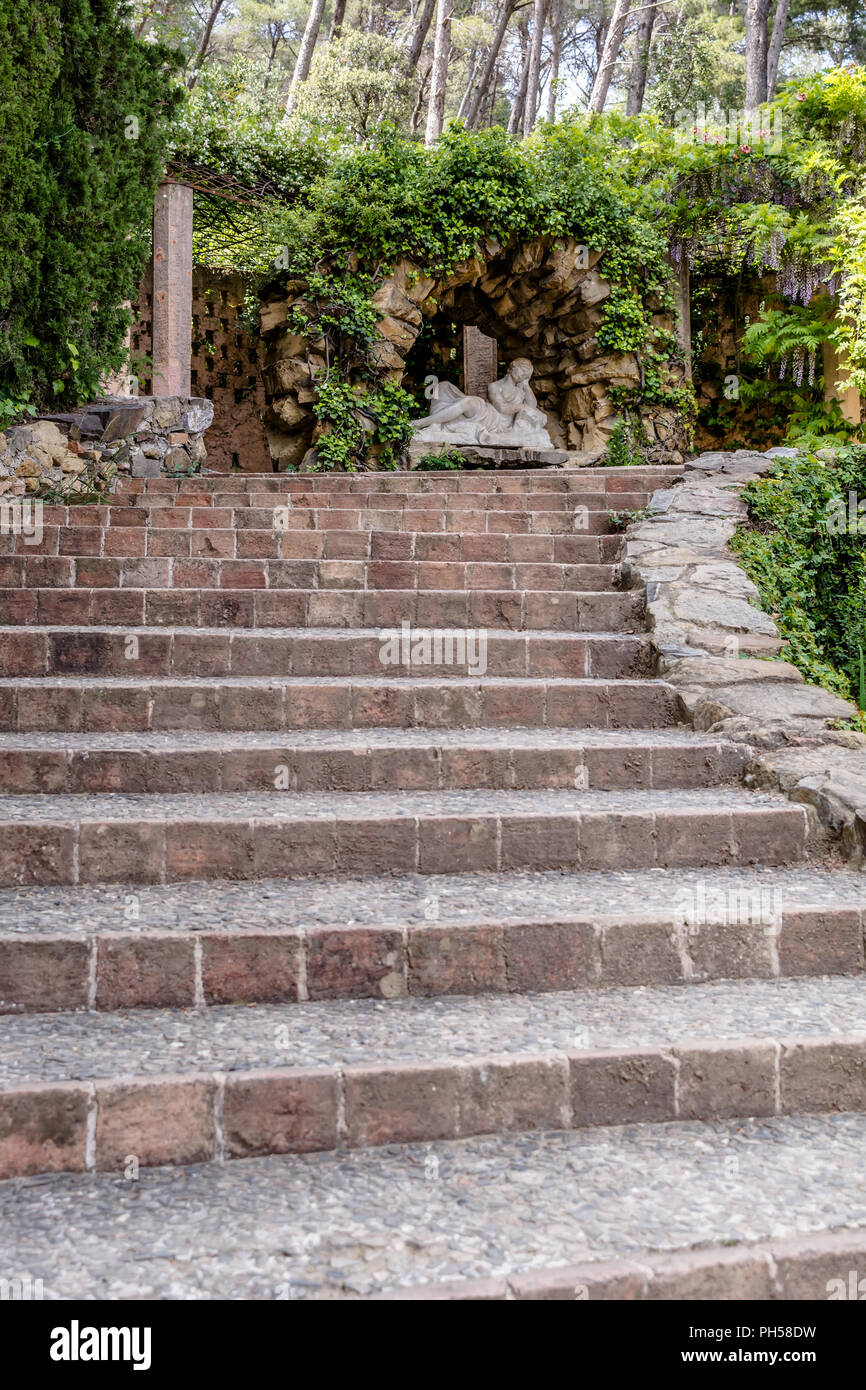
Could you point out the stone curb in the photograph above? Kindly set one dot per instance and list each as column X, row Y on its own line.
column 108, row 971
column 720, row 651
column 801, row 1268
column 205, row 1114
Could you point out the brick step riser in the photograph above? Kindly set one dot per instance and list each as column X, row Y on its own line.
column 152, row 969
column 115, row 707
column 471, row 484
column 429, row 768
column 264, row 543
column 513, row 610
column 197, row 1116
column 87, row 572
column 176, row 849
column 80, row 538
column 80, row 653
column 353, row 504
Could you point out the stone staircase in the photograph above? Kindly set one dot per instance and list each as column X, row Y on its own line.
column 407, row 931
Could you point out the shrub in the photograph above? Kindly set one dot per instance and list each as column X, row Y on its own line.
column 84, row 115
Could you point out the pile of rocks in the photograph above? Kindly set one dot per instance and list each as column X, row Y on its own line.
column 542, row 299
column 710, row 636
column 80, row 452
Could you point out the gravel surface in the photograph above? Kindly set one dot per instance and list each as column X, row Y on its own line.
column 413, row 899
column 36, row 1047
column 540, row 739
column 350, row 1224
column 121, row 806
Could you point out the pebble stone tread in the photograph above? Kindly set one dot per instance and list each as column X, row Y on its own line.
column 354, row 1224
column 339, row 739
column 413, row 899
column 123, row 806
column 61, row 1046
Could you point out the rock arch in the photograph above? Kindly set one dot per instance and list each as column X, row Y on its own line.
column 542, row 299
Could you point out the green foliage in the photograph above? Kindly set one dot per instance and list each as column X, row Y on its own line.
column 356, row 82
column 811, row 572
column 84, row 113
column 441, row 463
column 360, row 425
column 619, row 521
column 627, row 439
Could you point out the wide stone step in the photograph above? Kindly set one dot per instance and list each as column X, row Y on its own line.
column 82, row 1091
column 202, row 572
column 112, row 838
column 775, row 1211
column 82, row 704
column 252, row 535
column 562, row 611
column 288, row 940
column 369, row 760
column 317, row 652
column 449, row 481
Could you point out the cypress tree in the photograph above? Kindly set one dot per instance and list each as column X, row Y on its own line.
column 85, row 111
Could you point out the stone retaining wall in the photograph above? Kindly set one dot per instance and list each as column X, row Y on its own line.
column 710, row 636
column 138, row 436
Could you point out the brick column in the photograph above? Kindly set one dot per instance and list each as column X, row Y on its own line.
column 172, row 289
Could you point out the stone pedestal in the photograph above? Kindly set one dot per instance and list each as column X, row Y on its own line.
column 480, row 362
column 172, row 290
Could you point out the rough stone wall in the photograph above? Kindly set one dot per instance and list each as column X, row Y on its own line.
column 715, row 644
column 226, row 369
column 83, row 451
column 539, row 299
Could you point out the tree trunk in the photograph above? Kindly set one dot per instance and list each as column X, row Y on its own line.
column 422, row 92
column 609, row 54
column 515, row 120
column 419, row 38
column 439, row 72
column 640, row 62
column 756, row 52
column 337, row 21
column 204, row 43
column 305, row 53
column 775, row 49
column 467, row 91
column 530, row 105
column 275, row 40
column 474, row 105
column 555, row 56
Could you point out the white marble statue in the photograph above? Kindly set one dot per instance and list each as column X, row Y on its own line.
column 508, row 419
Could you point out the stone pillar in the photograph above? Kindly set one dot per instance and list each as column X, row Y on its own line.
column 480, row 361
column 683, row 300
column 834, row 367
column 172, row 290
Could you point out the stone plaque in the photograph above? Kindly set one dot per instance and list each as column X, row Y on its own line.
column 479, row 362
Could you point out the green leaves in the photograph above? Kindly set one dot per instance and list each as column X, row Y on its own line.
column 77, row 193
column 811, row 572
